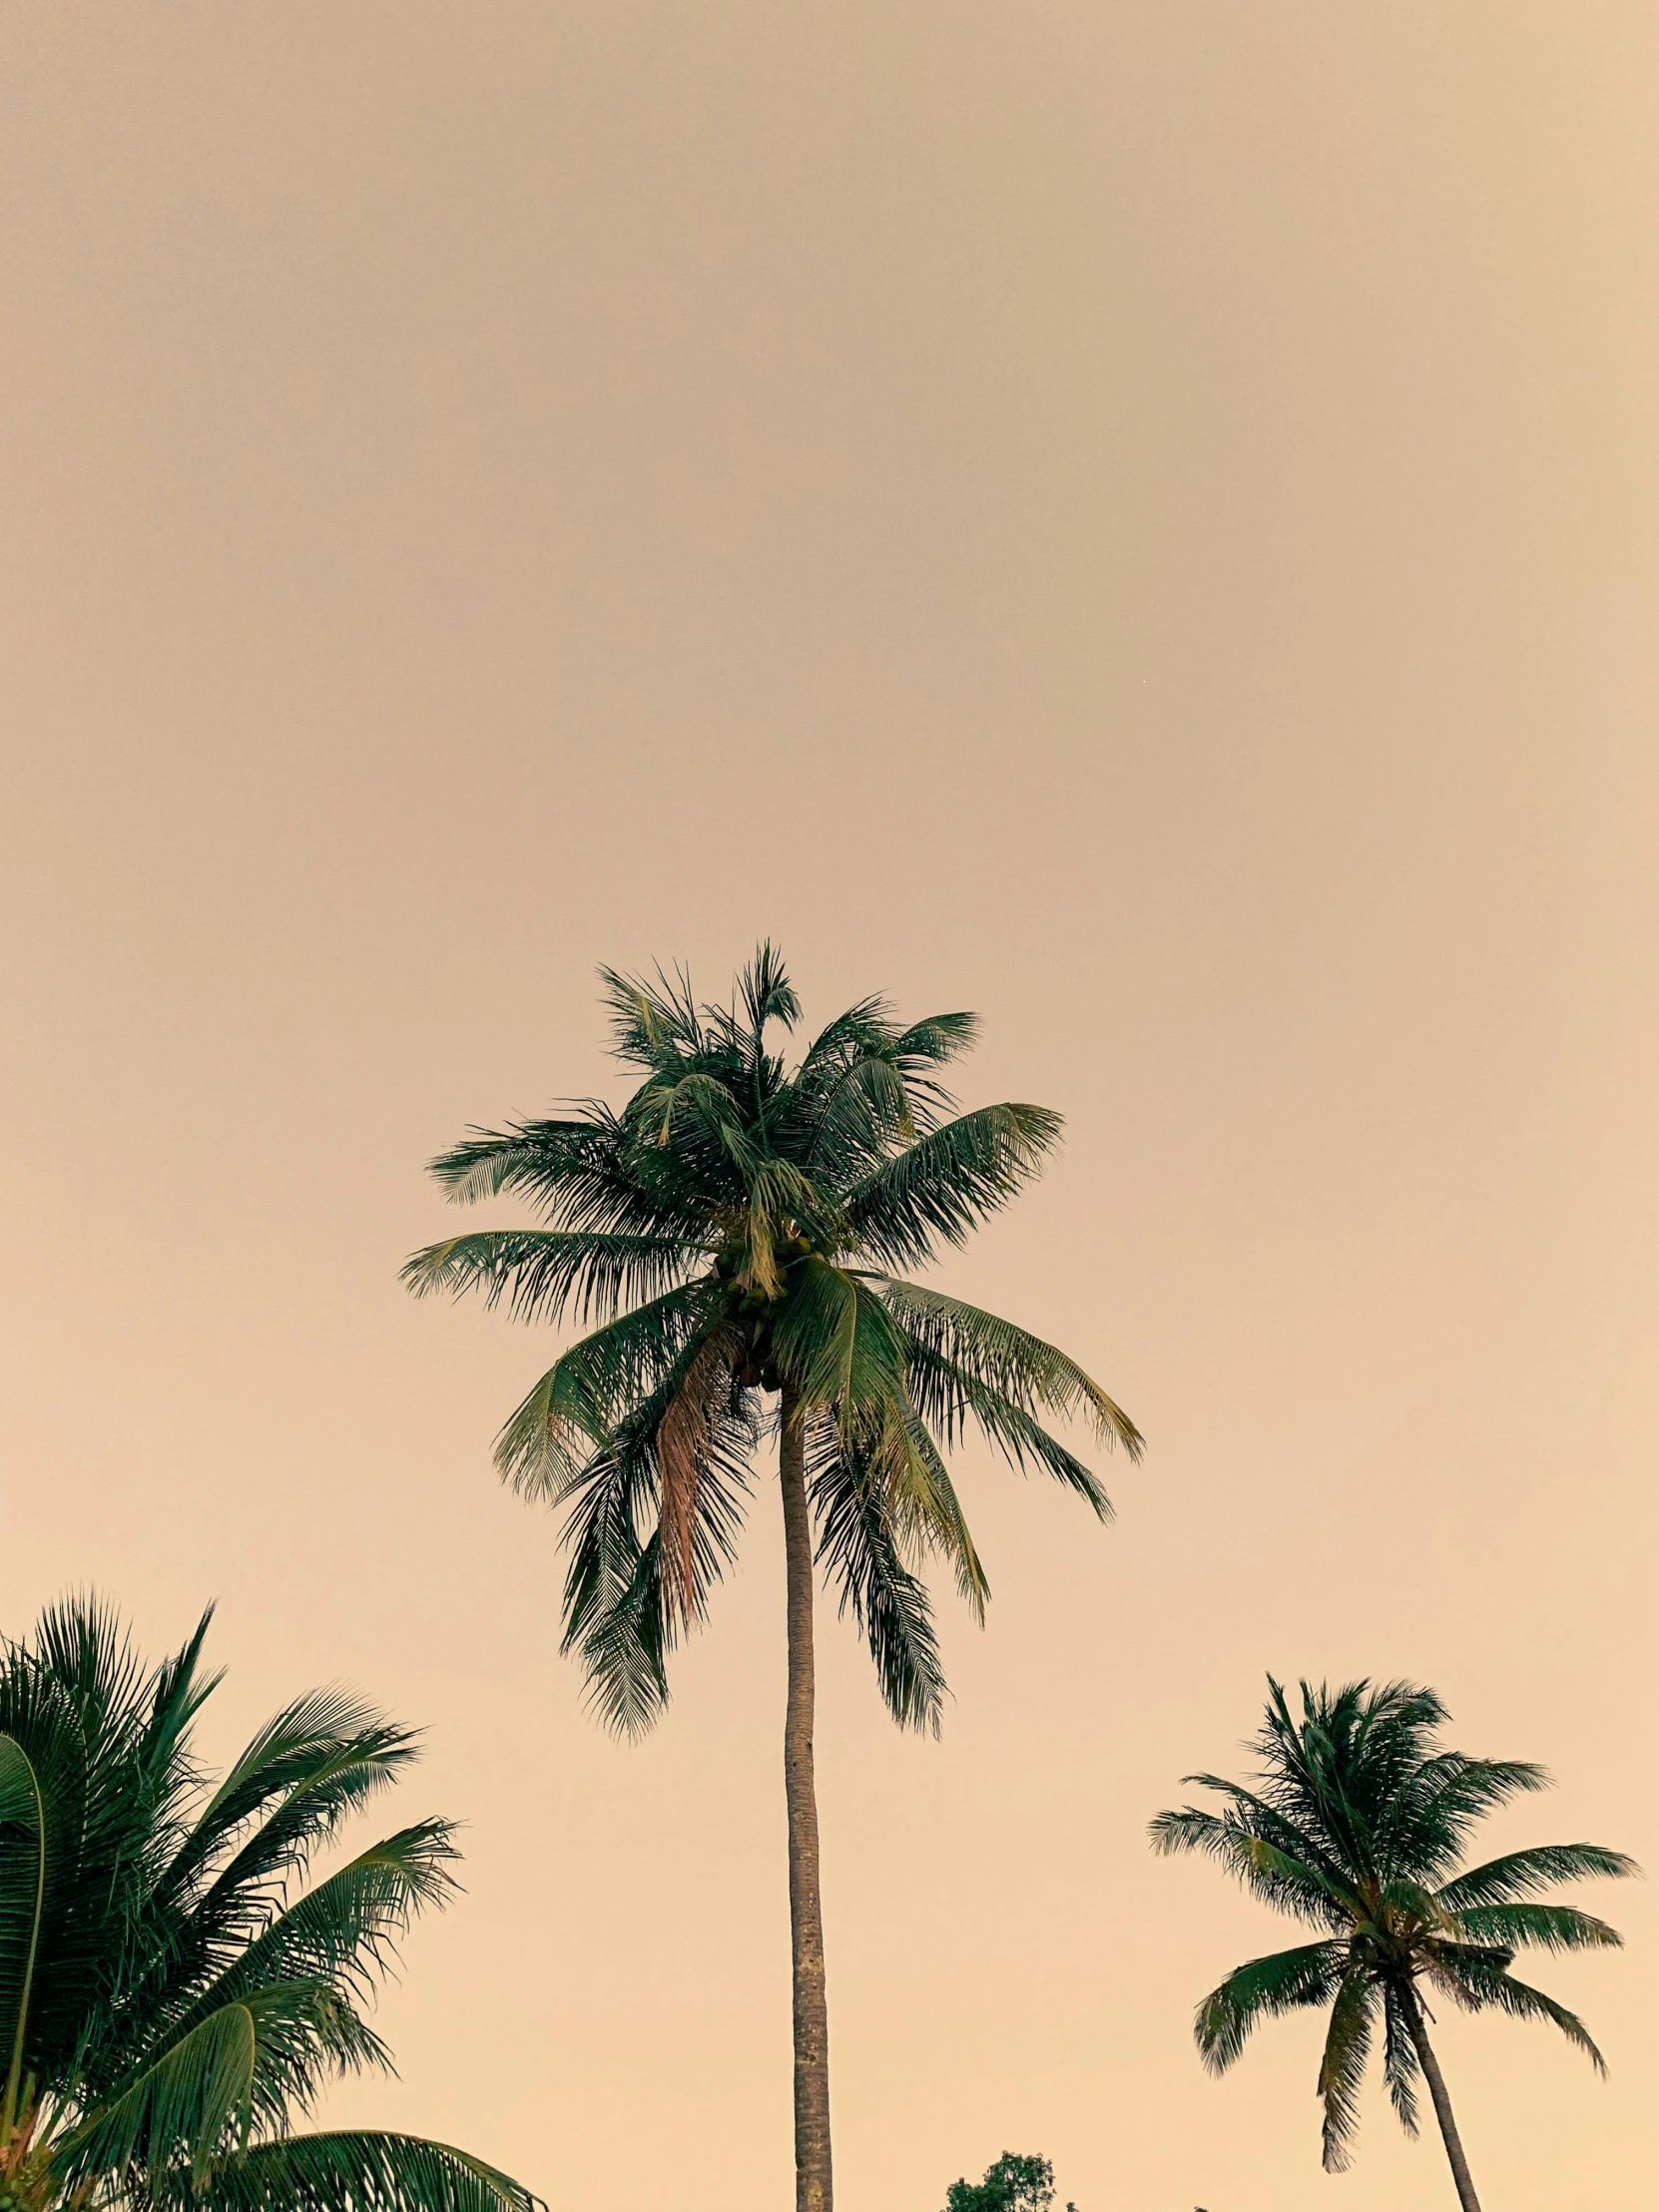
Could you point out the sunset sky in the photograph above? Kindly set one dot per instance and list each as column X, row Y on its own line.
column 1140, row 519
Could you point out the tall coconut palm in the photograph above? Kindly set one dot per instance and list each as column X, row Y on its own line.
column 1357, row 1824
column 171, row 1996
column 735, row 1230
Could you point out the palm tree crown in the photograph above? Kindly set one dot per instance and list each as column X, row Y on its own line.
column 171, row 1995
column 735, row 1230
column 1357, row 1824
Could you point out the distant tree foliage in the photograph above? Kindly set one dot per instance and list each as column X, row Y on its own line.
column 1013, row 2184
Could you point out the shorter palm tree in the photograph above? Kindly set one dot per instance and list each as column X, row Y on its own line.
column 1357, row 1824
column 172, row 1994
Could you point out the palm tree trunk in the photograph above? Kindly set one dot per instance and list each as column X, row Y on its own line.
column 813, row 2192
column 1443, row 2102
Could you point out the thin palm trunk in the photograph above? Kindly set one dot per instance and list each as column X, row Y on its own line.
column 1443, row 2102
column 813, row 2191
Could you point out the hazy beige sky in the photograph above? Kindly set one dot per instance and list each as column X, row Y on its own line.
column 1140, row 519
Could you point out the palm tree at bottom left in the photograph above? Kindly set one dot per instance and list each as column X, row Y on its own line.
column 172, row 1996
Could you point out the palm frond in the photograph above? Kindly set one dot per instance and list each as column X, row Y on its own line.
column 1480, row 1984
column 924, row 1506
column 1399, row 2060
column 248, row 2061
column 586, row 1173
column 1271, row 1854
column 866, row 1111
column 344, row 1933
column 323, row 1758
column 949, row 1397
column 838, row 1344
column 653, row 1020
column 938, row 1039
column 618, row 1612
column 1437, row 1801
column 1021, row 1369
column 1519, row 1874
column 1262, row 1988
column 765, row 992
column 948, row 1182
column 859, row 1549
column 1342, row 2065
column 543, row 1272
column 85, row 1726
column 686, row 1437
column 546, row 1442
column 542, row 1160
column 1537, row 1926
column 361, row 2170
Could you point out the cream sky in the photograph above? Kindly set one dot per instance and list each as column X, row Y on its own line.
column 1140, row 519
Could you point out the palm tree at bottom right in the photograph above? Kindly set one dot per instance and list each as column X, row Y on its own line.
column 1356, row 1823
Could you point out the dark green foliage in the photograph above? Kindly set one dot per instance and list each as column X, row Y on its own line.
column 731, row 1232
column 1013, row 2184
column 172, row 1994
column 1357, row 1825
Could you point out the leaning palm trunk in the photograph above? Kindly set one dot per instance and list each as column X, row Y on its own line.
column 1431, row 2066
column 812, row 2184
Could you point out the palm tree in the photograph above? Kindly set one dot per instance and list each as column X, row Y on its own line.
column 170, row 1997
column 1357, row 1824
column 733, row 1231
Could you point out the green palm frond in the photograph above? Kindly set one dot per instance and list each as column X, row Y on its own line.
column 540, row 1273
column 94, row 1776
column 865, row 1111
column 542, row 1160
column 1262, row 1988
column 323, row 1759
column 936, row 1040
column 767, row 993
column 344, row 1932
column 1519, row 1874
column 1401, row 2069
column 247, row 2061
column 358, row 2171
column 653, row 1020
column 1479, row 1981
column 547, row 1440
column 1537, row 1926
column 840, row 1346
column 859, row 1548
column 619, row 1614
column 924, row 1506
column 1275, row 1857
column 948, row 1182
column 1342, row 2065
column 1029, row 1375
column 323, row 1755
column 1285, row 1884
column 578, row 1173
column 1448, row 1798
column 949, row 1398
